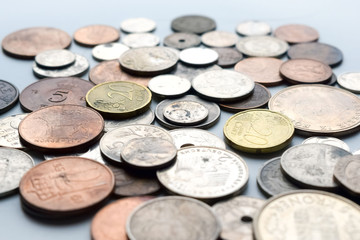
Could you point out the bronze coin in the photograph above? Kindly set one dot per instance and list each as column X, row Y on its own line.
column 261, row 70
column 298, row 71
column 28, row 42
column 93, row 35
column 55, row 91
column 296, row 33
column 228, row 57
column 110, row 71
column 61, row 128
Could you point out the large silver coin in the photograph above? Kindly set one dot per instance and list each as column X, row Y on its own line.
column 182, row 40
column 176, row 218
column 190, row 72
column 169, row 85
column 223, row 85
column 205, row 173
column 13, row 165
column 219, row 39
column 262, row 46
column 253, row 28
column 188, row 137
column 199, row 56
column 328, row 140
column 138, row 40
column 193, row 24
column 346, row 173
column 138, row 25
column 312, row 165
column 9, row 131
column 108, row 51
column 55, row 58
column 350, row 81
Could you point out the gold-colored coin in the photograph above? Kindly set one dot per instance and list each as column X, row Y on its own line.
column 258, row 131
column 119, row 99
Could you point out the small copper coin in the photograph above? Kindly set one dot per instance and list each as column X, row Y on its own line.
column 346, row 173
column 55, row 91
column 93, row 35
column 9, row 96
column 228, row 57
column 296, row 33
column 27, row 43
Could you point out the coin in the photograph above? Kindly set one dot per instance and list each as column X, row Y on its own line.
column 312, row 165
column 9, row 96
column 333, row 80
column 188, row 137
column 350, row 81
column 198, row 56
column 9, row 133
column 261, row 70
column 138, row 40
column 298, row 71
column 328, row 140
column 219, row 39
column 190, row 72
column 93, row 35
column 193, row 24
column 236, row 216
column 61, row 128
column 77, row 69
column 169, row 86
column 149, row 61
column 54, row 91
column 346, row 174
column 262, row 46
column 57, row 58
column 108, row 51
column 272, row 181
column 228, row 57
column 258, row 131
column 138, row 25
column 258, row 98
column 253, row 28
column 296, row 33
column 28, row 42
column 182, row 40
column 321, row 52
column 340, row 108
column 119, row 99
column 13, row 165
column 223, row 85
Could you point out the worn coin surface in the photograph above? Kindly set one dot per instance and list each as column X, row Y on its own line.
column 228, row 57
column 262, row 46
column 138, row 40
column 193, row 24
column 138, row 25
column 296, row 33
column 169, row 86
column 9, row 96
column 108, row 51
column 219, row 39
column 190, row 72
column 253, row 28
column 198, row 56
column 93, row 35
column 57, row 58
column 346, row 173
column 182, row 40
column 188, row 137
column 350, row 81
column 328, row 140
column 9, row 131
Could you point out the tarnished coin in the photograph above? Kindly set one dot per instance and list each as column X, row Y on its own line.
column 149, row 61
column 350, row 81
column 346, row 173
column 322, row 52
column 258, row 131
column 169, row 86
column 198, row 56
column 262, row 70
column 61, row 128
column 138, row 25
column 119, row 99
column 340, row 108
column 9, row 131
column 57, row 58
column 190, row 72
column 328, row 140
column 108, row 51
column 262, row 46
column 182, row 40
column 205, row 173
column 253, row 28
column 28, row 42
column 228, row 57
column 236, row 216
column 55, row 91
column 223, row 85
column 9, row 96
column 13, row 165
column 312, row 165
column 193, row 24
column 93, row 35
column 308, row 214
column 272, row 181
column 188, row 137
column 138, row 40
column 77, row 69
column 219, row 39
column 296, row 33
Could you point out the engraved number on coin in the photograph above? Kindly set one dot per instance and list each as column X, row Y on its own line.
column 59, row 96
column 255, row 136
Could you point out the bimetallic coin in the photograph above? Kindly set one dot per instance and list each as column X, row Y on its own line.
column 193, row 24
column 182, row 40
column 296, row 33
column 190, row 72
column 55, row 58
column 198, row 56
column 219, row 39
column 228, row 57
column 253, row 28
column 189, row 137
column 169, row 86
column 258, row 131
column 138, row 40
column 138, row 25
column 346, row 174
column 328, row 140
column 9, row 131
column 9, row 96
column 93, row 35
column 262, row 46
column 108, row 51
column 205, row 173
column 350, row 81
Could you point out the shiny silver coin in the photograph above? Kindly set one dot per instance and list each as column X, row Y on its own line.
column 262, row 46
column 219, row 39
column 138, row 25
column 228, row 57
column 9, row 129
column 77, row 69
column 328, row 140
column 138, row 40
column 253, row 28
column 190, row 72
column 108, row 51
column 193, row 24
column 169, row 86
column 176, row 218
column 189, row 137
column 350, row 81
column 55, row 58
column 223, row 85
column 182, row 40
column 346, row 173
column 198, row 56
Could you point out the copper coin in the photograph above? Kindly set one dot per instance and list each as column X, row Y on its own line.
column 228, row 57
column 296, row 33
column 261, row 70
column 346, row 174
column 55, row 91
column 298, row 71
column 9, row 96
column 93, row 35
column 27, row 43
column 110, row 71
column 61, row 128
column 66, row 185
column 110, row 221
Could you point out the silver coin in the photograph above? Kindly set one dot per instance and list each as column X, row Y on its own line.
column 346, row 173
column 262, row 46
column 112, row 142
column 188, row 137
column 138, row 40
column 357, row 152
column 176, row 218
column 350, row 81
column 13, row 165
column 223, row 85
column 213, row 108
column 198, row 56
column 328, row 140
column 108, row 51
column 253, row 28
column 228, row 57
column 55, row 58
column 219, row 39
column 77, row 69
column 190, row 72
column 182, row 40
column 169, row 85
column 9, row 131
column 193, row 24
column 312, row 165
column 138, row 25
column 205, row 173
